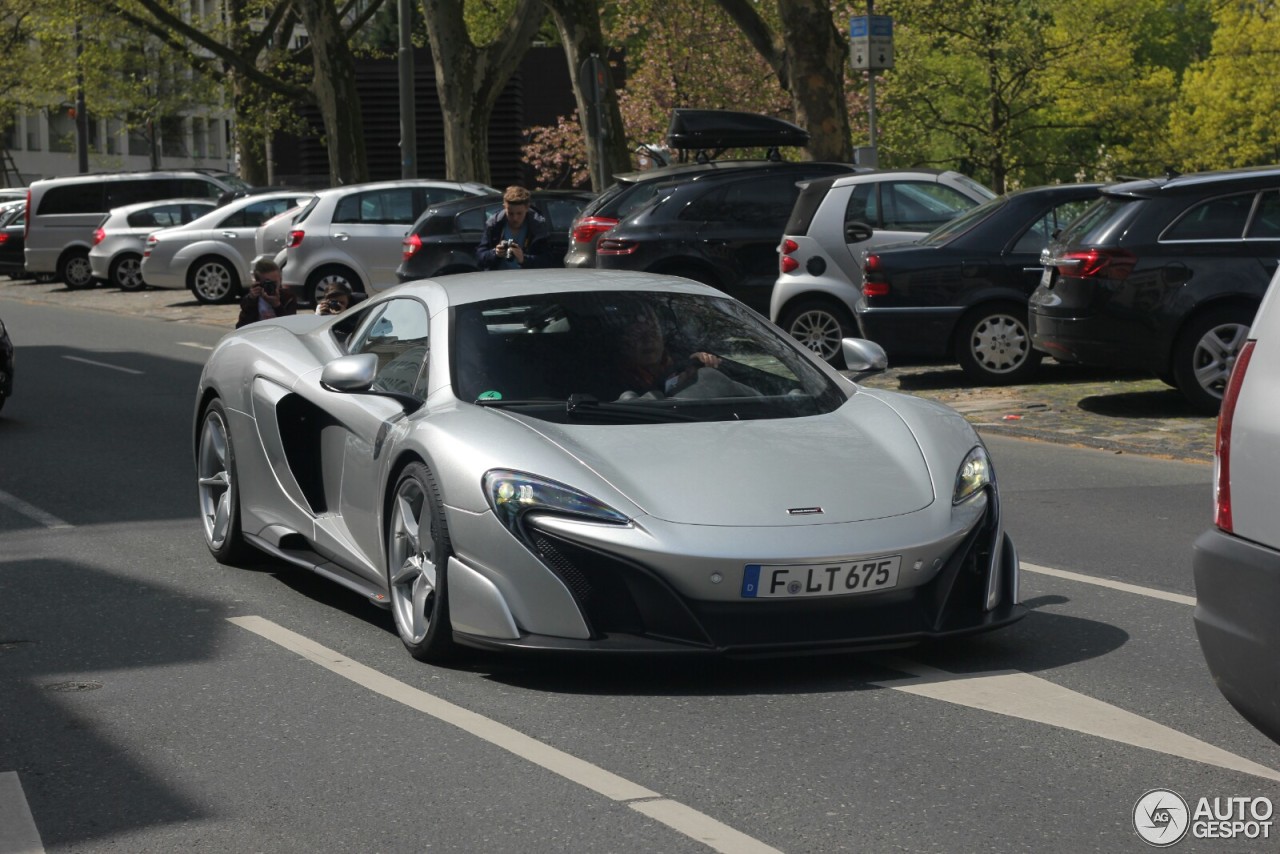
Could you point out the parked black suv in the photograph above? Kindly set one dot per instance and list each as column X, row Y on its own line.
column 720, row 229
column 1163, row 275
column 444, row 239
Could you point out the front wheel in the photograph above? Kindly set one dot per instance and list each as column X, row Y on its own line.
column 993, row 345
column 75, row 271
column 218, row 488
column 1206, row 352
column 418, row 551
column 819, row 325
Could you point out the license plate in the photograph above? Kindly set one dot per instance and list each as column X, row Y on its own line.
column 769, row 581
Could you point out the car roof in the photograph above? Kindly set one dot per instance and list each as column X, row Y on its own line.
column 471, row 186
column 478, row 287
column 1195, row 181
column 142, row 206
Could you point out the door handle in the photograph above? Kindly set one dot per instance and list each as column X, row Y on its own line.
column 341, row 235
column 228, row 234
column 1033, row 269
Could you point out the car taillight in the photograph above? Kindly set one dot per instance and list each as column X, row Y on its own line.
column 786, row 263
column 411, row 245
column 4, row 237
column 152, row 240
column 1222, row 449
column 874, row 281
column 587, row 229
column 295, row 239
column 613, row 246
column 98, row 236
column 1096, row 263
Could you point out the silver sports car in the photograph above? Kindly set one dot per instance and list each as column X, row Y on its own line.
column 581, row 460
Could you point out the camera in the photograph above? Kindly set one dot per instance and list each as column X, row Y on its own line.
column 504, row 248
column 330, row 306
column 268, row 285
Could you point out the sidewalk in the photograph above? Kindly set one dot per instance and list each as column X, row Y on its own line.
column 1067, row 404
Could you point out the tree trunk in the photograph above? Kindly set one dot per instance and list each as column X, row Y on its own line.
column 470, row 79
column 808, row 57
column 334, row 85
column 578, row 22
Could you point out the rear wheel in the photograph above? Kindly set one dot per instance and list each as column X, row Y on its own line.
column 218, row 488
column 126, row 272
column 74, row 270
column 993, row 344
column 1206, row 352
column 213, row 281
column 819, row 325
column 418, row 551
column 321, row 279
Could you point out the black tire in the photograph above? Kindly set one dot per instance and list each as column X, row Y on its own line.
column 325, row 276
column 126, row 272
column 819, row 324
column 74, row 270
column 1206, row 352
column 218, row 487
column 418, row 550
column 993, row 344
column 213, row 280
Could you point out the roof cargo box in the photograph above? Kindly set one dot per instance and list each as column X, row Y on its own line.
column 720, row 129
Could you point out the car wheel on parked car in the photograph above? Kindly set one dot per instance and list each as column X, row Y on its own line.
column 326, row 276
column 218, row 488
column 819, row 325
column 74, row 270
column 418, row 550
column 1206, row 352
column 126, row 272
column 213, row 281
column 993, row 344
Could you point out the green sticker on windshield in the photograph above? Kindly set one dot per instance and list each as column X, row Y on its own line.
column 490, row 395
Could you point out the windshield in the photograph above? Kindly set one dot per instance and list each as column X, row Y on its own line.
column 967, row 220
column 631, row 357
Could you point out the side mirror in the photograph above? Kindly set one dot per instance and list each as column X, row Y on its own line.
column 863, row 358
column 857, row 232
column 350, row 373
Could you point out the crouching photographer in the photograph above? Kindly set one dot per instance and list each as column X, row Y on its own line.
column 266, row 297
column 335, row 299
column 515, row 238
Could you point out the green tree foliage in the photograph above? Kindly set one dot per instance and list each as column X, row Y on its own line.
column 1226, row 111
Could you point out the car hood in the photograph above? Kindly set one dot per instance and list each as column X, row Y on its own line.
column 858, row 463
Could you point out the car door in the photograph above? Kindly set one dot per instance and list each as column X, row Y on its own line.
column 899, row 211
column 370, row 227
column 365, row 428
column 239, row 228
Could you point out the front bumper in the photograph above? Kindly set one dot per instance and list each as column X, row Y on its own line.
column 629, row 608
column 1237, row 599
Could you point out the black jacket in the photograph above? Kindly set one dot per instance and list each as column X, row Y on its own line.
column 537, row 248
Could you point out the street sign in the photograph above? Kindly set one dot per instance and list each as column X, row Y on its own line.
column 871, row 42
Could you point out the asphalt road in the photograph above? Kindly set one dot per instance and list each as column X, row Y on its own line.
column 153, row 701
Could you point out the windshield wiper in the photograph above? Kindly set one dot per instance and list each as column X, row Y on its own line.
column 586, row 405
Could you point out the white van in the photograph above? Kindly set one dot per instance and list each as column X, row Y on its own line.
column 62, row 213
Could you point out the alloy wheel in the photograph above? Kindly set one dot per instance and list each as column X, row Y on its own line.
column 129, row 274
column 1215, row 355
column 212, row 282
column 819, row 331
column 214, row 480
column 412, row 562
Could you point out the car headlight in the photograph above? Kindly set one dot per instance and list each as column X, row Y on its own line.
column 974, row 474
column 512, row 494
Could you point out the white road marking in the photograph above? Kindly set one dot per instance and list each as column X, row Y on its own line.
column 680, row 818
column 102, row 365
column 32, row 512
column 18, row 833
column 1021, row 695
column 1150, row 592
column 197, row 346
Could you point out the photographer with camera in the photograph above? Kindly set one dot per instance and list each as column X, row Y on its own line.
column 266, row 297
column 515, row 238
column 335, row 300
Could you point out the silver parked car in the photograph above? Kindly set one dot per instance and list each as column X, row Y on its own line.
column 820, row 257
column 353, row 234
column 588, row 460
column 1237, row 561
column 211, row 255
column 121, row 237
